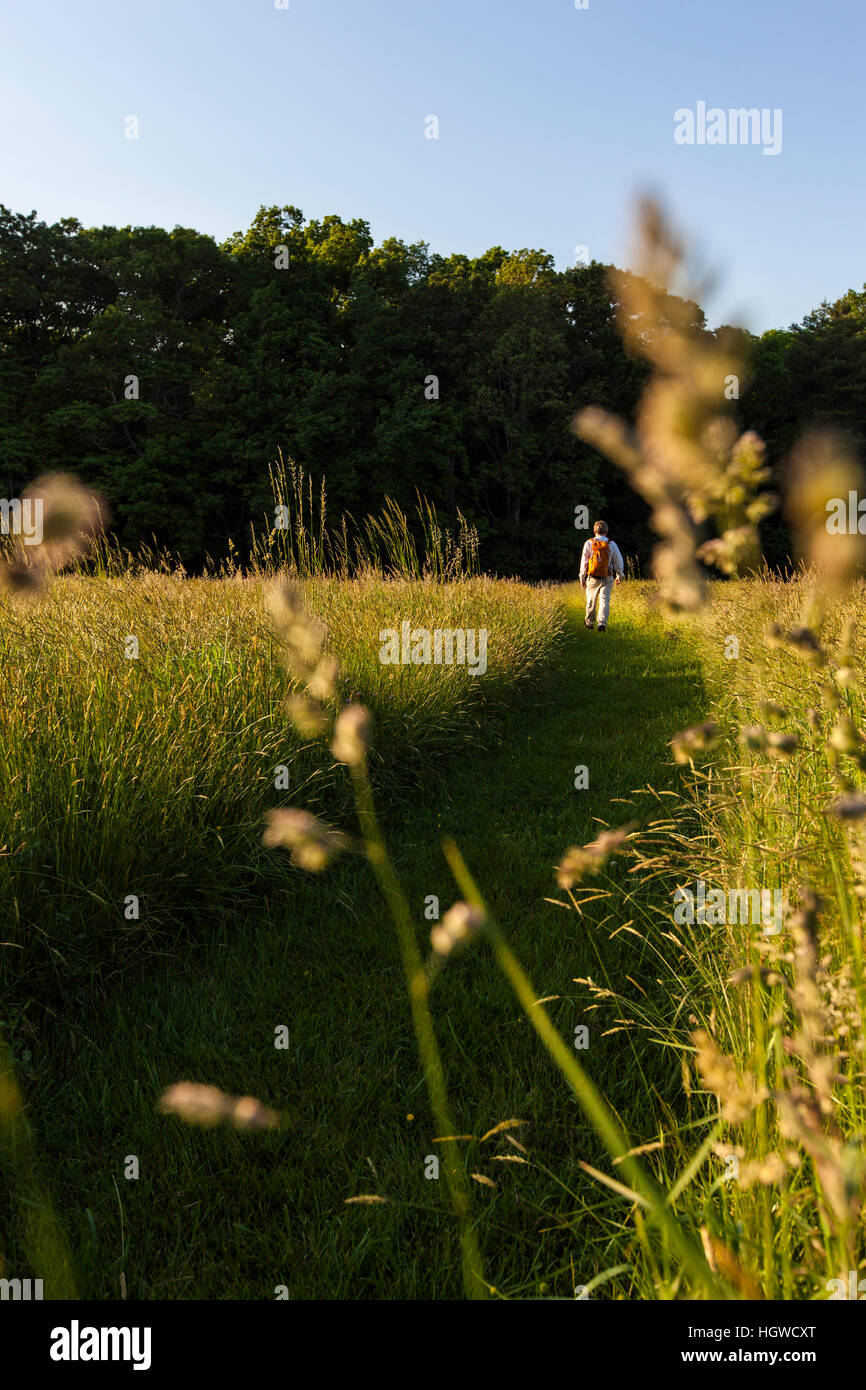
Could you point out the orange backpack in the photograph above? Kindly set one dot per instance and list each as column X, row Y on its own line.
column 599, row 560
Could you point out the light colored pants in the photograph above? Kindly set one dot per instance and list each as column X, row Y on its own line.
column 598, row 593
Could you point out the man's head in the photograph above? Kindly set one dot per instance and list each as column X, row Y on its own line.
column 600, row 528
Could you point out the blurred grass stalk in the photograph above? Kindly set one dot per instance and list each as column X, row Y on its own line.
column 617, row 1143
column 418, row 986
column 790, row 1051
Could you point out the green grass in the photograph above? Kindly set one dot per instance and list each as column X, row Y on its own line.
column 786, row 1011
column 150, row 776
column 215, row 1214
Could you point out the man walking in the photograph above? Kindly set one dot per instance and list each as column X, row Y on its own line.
column 601, row 567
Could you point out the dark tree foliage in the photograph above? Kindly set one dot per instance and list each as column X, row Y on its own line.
column 167, row 371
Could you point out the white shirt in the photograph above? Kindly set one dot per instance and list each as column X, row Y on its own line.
column 616, row 561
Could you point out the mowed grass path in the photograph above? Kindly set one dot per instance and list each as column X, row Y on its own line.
column 215, row 1214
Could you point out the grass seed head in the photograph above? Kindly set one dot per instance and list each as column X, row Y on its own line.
column 460, row 924
column 307, row 716
column 352, row 735
column 719, row 1075
column 312, row 843
column 208, row 1106
column 72, row 515
column 584, row 861
column 849, row 806
column 700, row 738
column 196, row 1104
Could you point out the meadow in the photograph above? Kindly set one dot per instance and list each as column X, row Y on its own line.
column 471, row 1035
column 170, row 775
column 169, row 762
column 147, row 775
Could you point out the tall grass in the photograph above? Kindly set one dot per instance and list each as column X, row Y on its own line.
column 775, row 1023
column 391, row 543
column 775, row 1020
column 147, row 775
column 764, row 1159
column 299, row 540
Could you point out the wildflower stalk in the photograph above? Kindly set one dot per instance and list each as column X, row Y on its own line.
column 600, row 1116
column 313, row 845
column 418, row 986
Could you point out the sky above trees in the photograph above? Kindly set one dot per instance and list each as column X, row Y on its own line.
column 550, row 119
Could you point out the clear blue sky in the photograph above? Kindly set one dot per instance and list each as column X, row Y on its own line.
column 551, row 119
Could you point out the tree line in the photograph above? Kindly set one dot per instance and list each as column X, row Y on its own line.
column 167, row 371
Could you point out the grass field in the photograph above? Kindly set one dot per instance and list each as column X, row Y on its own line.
column 148, row 775
column 731, row 1056
column 643, row 1079
column 245, row 943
